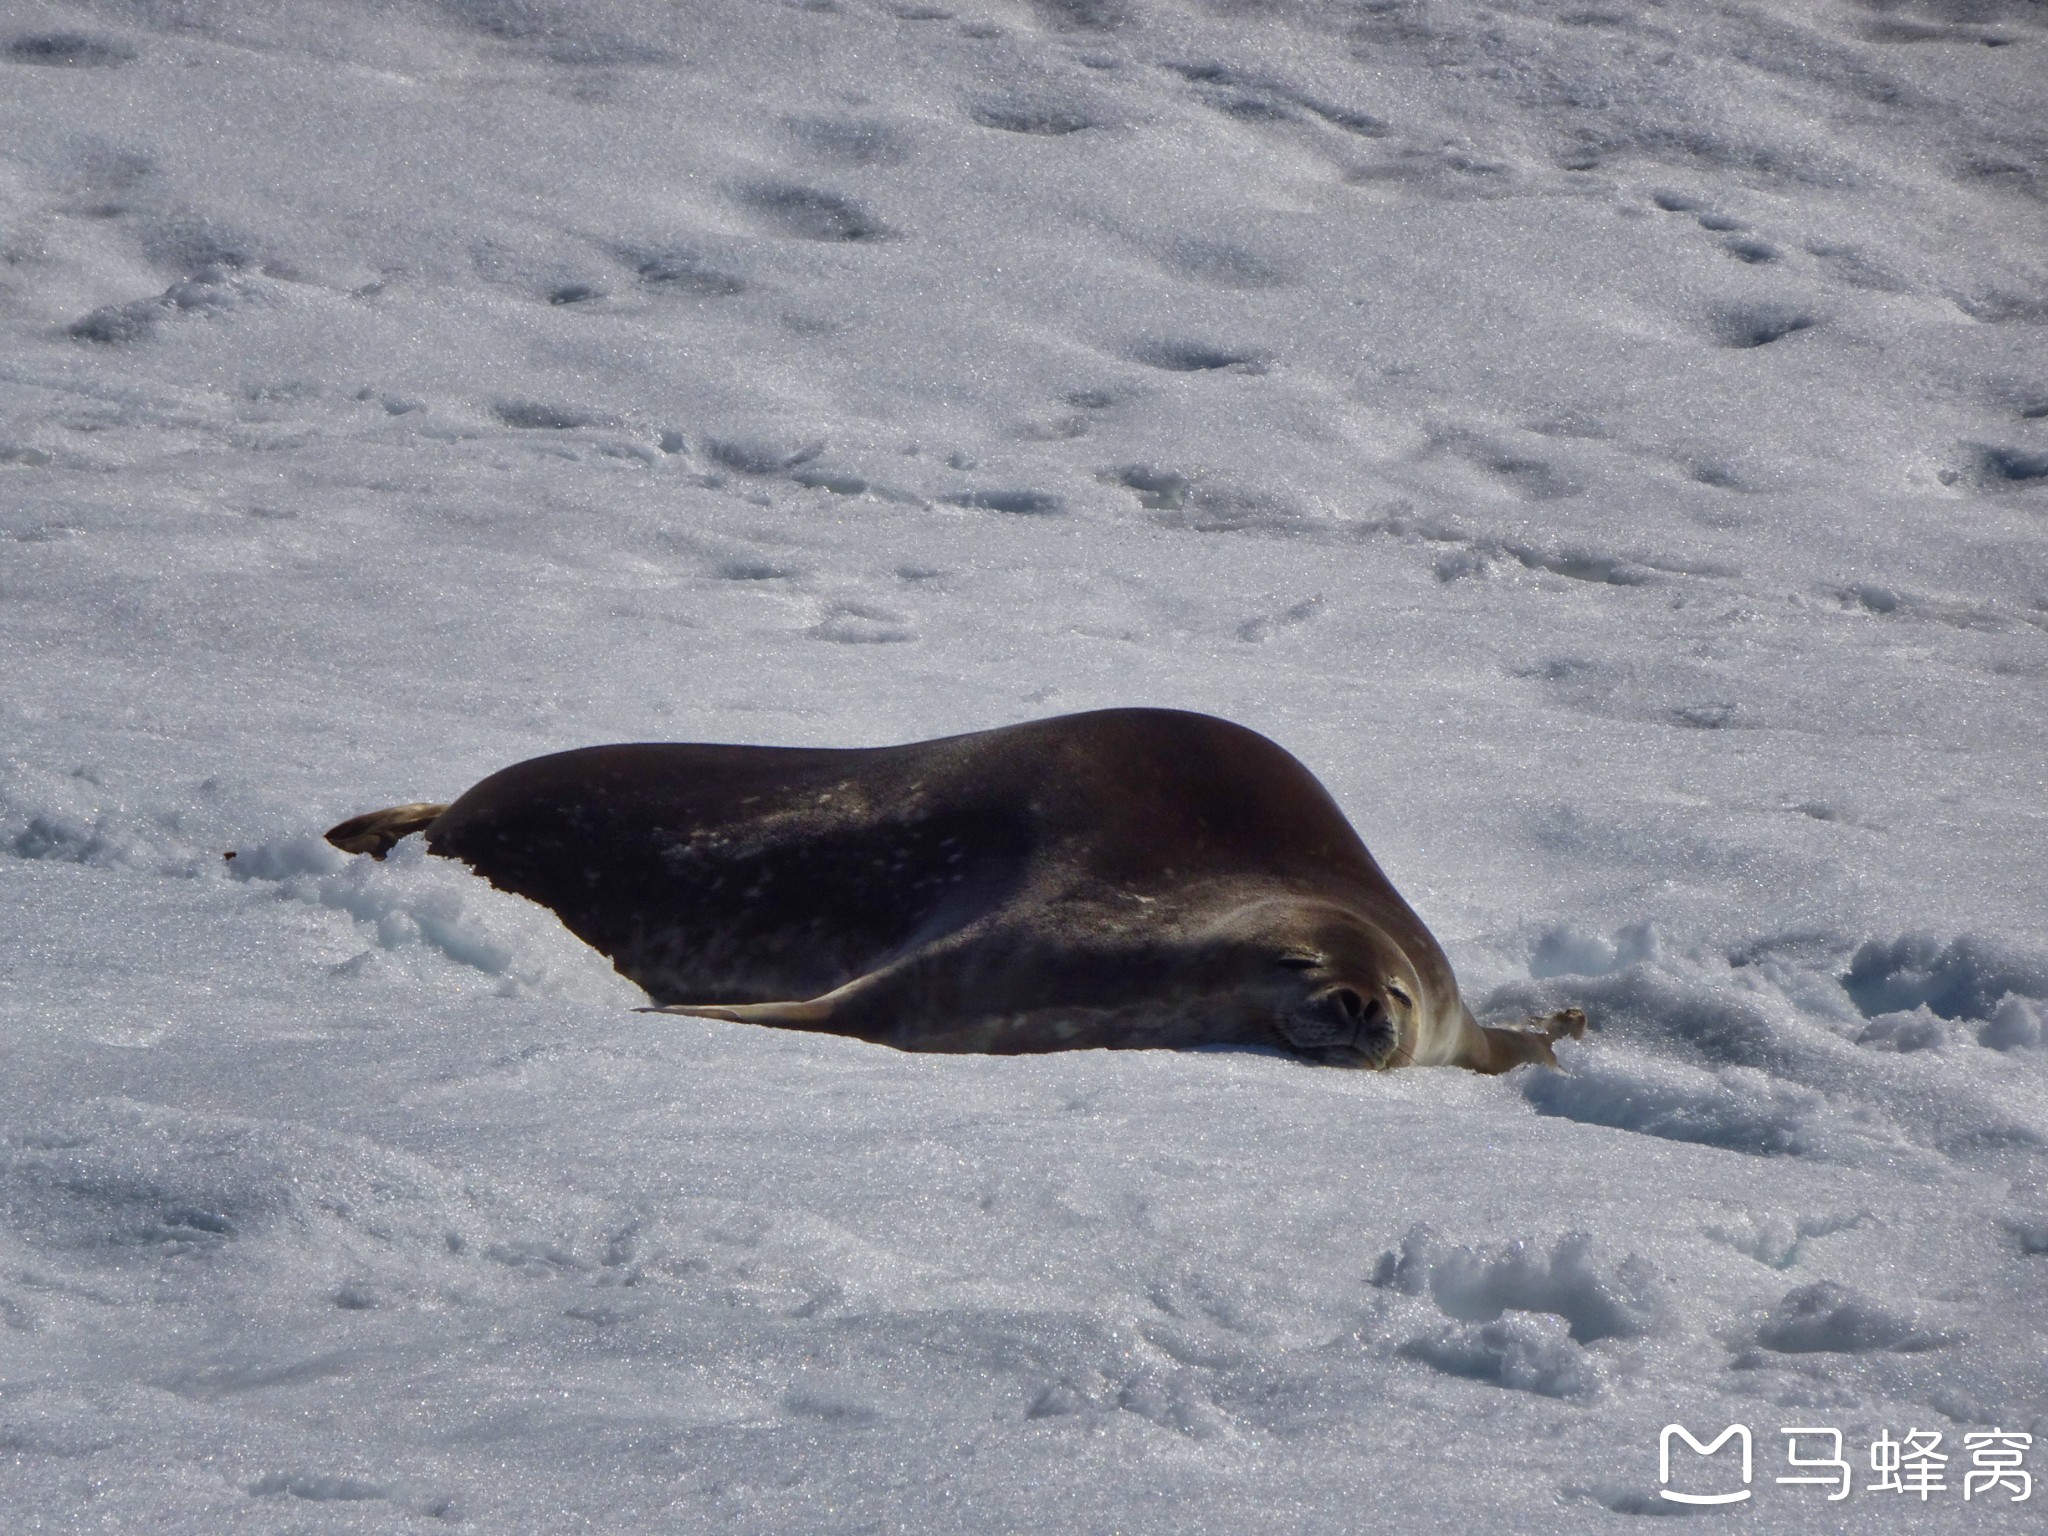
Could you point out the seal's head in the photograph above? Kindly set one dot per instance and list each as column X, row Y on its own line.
column 1335, row 987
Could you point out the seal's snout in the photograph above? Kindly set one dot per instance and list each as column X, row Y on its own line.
column 1374, row 1034
column 1352, row 1023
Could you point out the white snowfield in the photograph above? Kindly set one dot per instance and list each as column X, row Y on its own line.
column 1606, row 440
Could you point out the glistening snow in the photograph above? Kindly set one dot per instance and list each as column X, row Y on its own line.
column 1607, row 442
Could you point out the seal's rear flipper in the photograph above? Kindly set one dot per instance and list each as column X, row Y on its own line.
column 375, row 832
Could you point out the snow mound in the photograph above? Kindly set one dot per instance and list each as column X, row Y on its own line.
column 1779, row 1238
column 1908, row 986
column 1826, row 1316
column 1738, row 1108
column 117, row 1182
column 1528, row 1351
column 1564, row 951
column 414, row 906
column 1767, row 1059
column 1482, row 1284
column 77, row 818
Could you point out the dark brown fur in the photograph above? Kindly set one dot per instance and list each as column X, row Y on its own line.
column 1119, row 878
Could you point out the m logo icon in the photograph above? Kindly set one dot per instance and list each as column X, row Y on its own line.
column 1736, row 1432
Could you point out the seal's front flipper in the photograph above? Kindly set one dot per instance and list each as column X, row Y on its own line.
column 375, row 832
column 861, row 1008
column 1512, row 1047
column 815, row 1014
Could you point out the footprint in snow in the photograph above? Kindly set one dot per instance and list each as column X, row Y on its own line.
column 761, row 456
column 849, row 623
column 1749, row 326
column 1718, row 476
column 1159, row 490
column 1857, row 268
column 536, row 416
column 1025, row 503
column 757, row 570
column 1084, row 15
column 209, row 291
column 851, row 141
column 1742, row 246
column 806, row 213
column 1031, row 117
column 1259, row 98
column 1254, row 631
column 2000, row 467
column 1223, row 265
column 318, row 1488
column 1522, row 474
column 1174, row 355
column 682, row 273
column 1103, row 399
column 68, row 50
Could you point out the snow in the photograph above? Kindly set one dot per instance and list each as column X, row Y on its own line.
column 1607, row 443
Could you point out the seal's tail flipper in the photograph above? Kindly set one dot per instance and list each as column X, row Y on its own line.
column 375, row 832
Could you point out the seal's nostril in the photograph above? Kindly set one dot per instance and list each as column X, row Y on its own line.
column 1372, row 1030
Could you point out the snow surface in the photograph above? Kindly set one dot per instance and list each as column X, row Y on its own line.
column 1608, row 442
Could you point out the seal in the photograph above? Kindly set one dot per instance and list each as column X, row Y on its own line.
column 1119, row 878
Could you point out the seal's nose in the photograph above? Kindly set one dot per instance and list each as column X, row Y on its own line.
column 1372, row 1031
